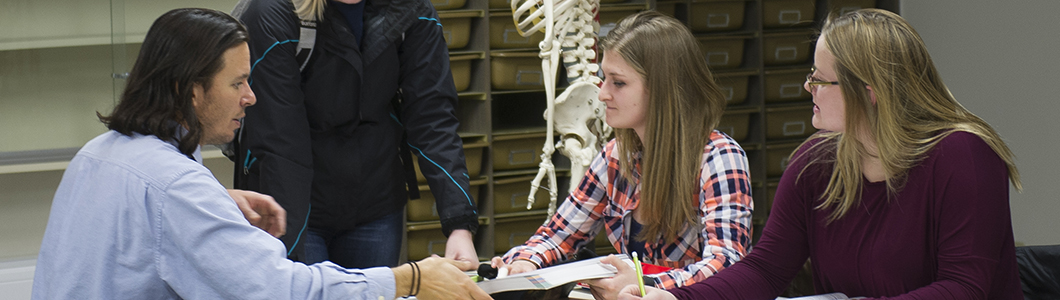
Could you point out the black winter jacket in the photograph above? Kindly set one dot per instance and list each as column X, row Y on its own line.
column 325, row 142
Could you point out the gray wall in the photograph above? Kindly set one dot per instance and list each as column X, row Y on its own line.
column 1001, row 59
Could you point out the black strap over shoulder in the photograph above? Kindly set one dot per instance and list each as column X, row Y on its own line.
column 307, row 38
column 307, row 34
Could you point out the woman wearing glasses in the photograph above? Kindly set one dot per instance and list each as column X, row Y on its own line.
column 903, row 193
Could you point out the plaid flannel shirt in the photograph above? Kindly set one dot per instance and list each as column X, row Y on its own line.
column 603, row 199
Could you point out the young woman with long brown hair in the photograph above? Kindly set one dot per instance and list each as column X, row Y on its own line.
column 669, row 186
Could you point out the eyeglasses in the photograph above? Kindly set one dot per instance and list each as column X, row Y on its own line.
column 813, row 82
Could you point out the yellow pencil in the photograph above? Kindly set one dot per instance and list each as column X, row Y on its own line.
column 640, row 273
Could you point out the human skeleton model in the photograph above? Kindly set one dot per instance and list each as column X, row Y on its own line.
column 577, row 114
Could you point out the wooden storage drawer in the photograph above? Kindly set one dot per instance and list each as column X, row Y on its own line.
column 666, row 8
column 735, row 124
column 426, row 238
column 516, row 71
column 473, row 150
column 505, row 4
column 511, row 232
column 423, row 243
column 456, row 27
column 787, row 13
column 460, row 65
column 520, row 151
column 511, row 194
column 733, row 87
column 611, row 15
column 715, row 16
column 504, row 34
column 723, row 52
column 448, row 4
column 787, row 48
column 777, row 157
column 786, row 86
column 845, row 6
column 424, row 209
column 789, row 122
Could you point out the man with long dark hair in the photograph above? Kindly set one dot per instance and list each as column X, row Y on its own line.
column 138, row 216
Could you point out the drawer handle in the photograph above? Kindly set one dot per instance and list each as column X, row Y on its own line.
column 717, row 20
column 533, row 77
column 511, row 36
column 794, row 128
column 790, row 16
column 791, row 90
column 786, row 53
column 521, row 157
column 717, row 58
column 519, row 196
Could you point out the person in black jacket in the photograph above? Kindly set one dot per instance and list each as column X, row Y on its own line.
column 324, row 139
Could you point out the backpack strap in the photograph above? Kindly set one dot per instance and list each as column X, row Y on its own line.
column 241, row 7
column 307, row 34
column 307, row 38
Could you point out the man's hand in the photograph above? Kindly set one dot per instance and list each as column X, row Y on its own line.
column 261, row 211
column 608, row 288
column 461, row 248
column 438, row 279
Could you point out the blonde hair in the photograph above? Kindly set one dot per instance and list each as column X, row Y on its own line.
column 310, row 10
column 914, row 110
column 684, row 106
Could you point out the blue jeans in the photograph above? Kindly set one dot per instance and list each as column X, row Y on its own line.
column 373, row 244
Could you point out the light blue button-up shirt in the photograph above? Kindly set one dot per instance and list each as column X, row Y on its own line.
column 133, row 218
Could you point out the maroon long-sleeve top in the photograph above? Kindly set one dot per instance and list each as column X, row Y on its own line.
column 946, row 235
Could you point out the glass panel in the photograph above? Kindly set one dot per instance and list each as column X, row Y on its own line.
column 141, row 13
column 55, row 66
column 60, row 63
column 58, row 66
column 130, row 21
column 119, row 53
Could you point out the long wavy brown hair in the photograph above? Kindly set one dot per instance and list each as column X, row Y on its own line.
column 914, row 110
column 684, row 106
